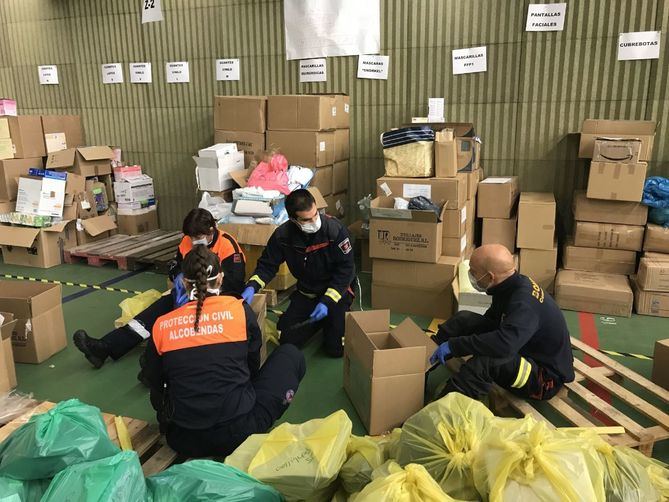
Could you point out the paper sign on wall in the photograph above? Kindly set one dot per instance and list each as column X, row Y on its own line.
column 546, row 17
column 177, row 72
column 435, row 110
column 374, row 67
column 140, row 73
column 472, row 60
column 151, row 11
column 639, row 45
column 313, row 70
column 48, row 74
column 227, row 69
column 112, row 73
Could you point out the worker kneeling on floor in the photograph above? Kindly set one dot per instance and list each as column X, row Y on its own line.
column 203, row 367
column 318, row 252
column 521, row 343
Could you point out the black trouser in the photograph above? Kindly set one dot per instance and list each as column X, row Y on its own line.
column 521, row 376
column 122, row 340
column 275, row 387
column 300, row 309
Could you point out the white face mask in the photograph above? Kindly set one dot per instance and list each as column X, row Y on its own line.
column 475, row 282
column 200, row 241
column 312, row 227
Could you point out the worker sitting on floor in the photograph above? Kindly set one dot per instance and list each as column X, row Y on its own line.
column 319, row 254
column 521, row 343
column 203, row 367
column 199, row 227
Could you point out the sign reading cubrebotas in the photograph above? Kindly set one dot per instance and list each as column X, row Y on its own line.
column 546, row 17
column 639, row 45
column 472, row 60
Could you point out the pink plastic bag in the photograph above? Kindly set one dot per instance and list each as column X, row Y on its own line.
column 272, row 175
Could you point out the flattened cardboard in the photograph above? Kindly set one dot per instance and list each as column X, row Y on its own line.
column 497, row 197
column 615, row 181
column 435, row 277
column 608, row 261
column 340, row 177
column 657, row 239
column 654, row 303
column 68, row 125
column 606, row 211
column 240, row 113
column 323, row 179
column 10, row 171
column 536, row 220
column 342, row 144
column 500, row 231
column 625, row 129
column 660, row 374
column 594, row 292
column 98, row 225
column 304, row 148
column 653, row 275
column 301, row 113
column 540, row 265
column 606, row 235
column 251, row 143
column 617, row 150
column 27, row 136
column 451, row 192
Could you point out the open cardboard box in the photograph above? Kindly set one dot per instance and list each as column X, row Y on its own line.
column 37, row 247
column 94, row 229
column 7, row 368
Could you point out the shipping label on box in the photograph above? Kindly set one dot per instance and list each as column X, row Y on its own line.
column 607, row 211
column 536, row 220
column 616, row 181
column 605, row 235
column 497, row 197
column 598, row 293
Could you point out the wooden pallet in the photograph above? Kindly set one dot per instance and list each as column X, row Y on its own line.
column 155, row 455
column 128, row 252
column 581, row 407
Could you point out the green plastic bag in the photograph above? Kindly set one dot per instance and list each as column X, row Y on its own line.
column 117, row 478
column 69, row 433
column 204, row 480
column 13, row 490
column 444, row 438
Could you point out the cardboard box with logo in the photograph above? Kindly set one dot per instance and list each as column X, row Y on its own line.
column 415, row 288
column 214, row 165
column 500, row 231
column 451, row 192
column 615, row 181
column 653, row 275
column 594, row 292
column 340, row 177
column 304, row 148
column 404, row 234
column 654, row 303
column 497, row 197
column 27, row 136
column 7, row 368
column 302, row 113
column 134, row 189
column 609, row 261
column 251, row 143
column 384, row 369
column 140, row 222
column 10, row 171
column 37, row 247
column 323, row 179
column 540, row 265
column 660, row 374
column 657, row 239
column 42, row 195
column 62, row 132
column 608, row 211
column 40, row 329
column 240, row 113
column 592, row 129
column 616, row 150
column 342, row 144
column 605, row 235
column 94, row 229
column 536, row 220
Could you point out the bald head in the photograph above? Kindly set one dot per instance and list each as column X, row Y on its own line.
column 493, row 261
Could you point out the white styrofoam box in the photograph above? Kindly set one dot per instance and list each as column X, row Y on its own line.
column 219, row 150
column 135, row 189
column 231, row 162
column 213, row 180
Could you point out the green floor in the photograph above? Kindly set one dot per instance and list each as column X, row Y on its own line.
column 115, row 389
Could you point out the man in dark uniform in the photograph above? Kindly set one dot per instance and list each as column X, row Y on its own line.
column 318, row 252
column 521, row 343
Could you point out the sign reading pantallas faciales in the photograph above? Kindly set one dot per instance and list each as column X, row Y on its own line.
column 639, row 45
column 472, row 60
column 546, row 17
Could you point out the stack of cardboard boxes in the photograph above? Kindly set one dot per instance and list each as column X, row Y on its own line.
column 136, row 207
column 497, row 206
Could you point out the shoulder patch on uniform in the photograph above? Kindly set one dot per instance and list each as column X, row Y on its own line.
column 236, row 258
column 345, row 246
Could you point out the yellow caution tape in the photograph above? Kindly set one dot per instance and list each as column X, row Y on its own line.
column 73, row 284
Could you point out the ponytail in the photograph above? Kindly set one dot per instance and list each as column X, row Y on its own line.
column 198, row 267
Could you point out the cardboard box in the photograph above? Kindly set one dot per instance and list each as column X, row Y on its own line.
column 40, row 329
column 259, row 307
column 664, row 257
column 302, row 113
column 343, row 111
column 445, row 154
column 540, row 265
column 144, row 221
column 6, row 149
column 384, row 370
column 661, row 363
column 74, row 184
column 473, row 180
column 497, row 197
column 134, row 189
column 62, row 132
column 215, row 165
column 536, row 220
column 340, row 177
column 342, row 144
column 608, row 261
column 41, row 195
column 594, row 292
column 94, row 229
column 653, row 275
column 455, row 246
column 93, row 161
column 304, row 148
column 421, row 302
column 605, row 235
column 35, row 247
column 323, row 179
column 455, row 221
column 624, row 129
column 500, row 231
column 616, row 150
column 62, row 159
column 337, row 205
column 451, row 192
column 7, row 369
column 655, row 303
column 657, row 239
column 251, row 143
column 614, row 181
column 240, row 113
column 361, row 245
column 10, row 171
column 27, row 136
column 403, row 234
column 606, row 211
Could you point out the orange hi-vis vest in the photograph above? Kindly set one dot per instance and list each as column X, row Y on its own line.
column 223, row 247
column 222, row 320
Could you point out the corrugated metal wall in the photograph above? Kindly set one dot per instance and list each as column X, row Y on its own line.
column 538, row 89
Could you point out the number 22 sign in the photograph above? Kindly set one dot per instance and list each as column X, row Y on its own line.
column 151, row 11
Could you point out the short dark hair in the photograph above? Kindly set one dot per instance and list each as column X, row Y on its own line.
column 297, row 201
column 198, row 222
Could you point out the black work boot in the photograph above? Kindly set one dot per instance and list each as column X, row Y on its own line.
column 95, row 350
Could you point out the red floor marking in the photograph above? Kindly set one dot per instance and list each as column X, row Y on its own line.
column 589, row 335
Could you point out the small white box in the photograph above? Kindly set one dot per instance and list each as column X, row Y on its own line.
column 135, row 189
column 213, row 180
column 45, row 196
column 213, row 173
column 219, row 150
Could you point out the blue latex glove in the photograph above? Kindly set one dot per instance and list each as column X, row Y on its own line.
column 441, row 354
column 248, row 294
column 319, row 313
column 179, row 292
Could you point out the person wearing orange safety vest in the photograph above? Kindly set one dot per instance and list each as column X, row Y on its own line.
column 203, row 367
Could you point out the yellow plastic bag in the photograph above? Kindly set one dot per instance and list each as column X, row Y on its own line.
column 525, row 460
column 658, row 472
column 130, row 307
column 300, row 461
column 364, row 455
column 444, row 438
column 394, row 484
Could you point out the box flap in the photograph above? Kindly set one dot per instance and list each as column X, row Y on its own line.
column 96, row 153
column 26, row 299
column 58, row 227
column 409, row 334
column 17, row 236
column 616, row 127
column 537, row 198
column 370, row 321
column 383, row 207
column 99, row 224
column 241, row 176
column 61, row 159
column 7, row 326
